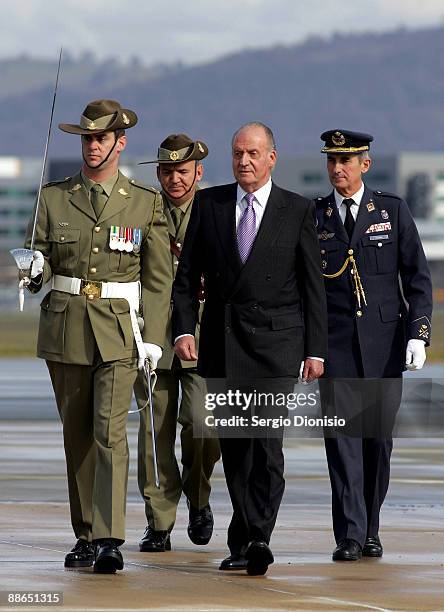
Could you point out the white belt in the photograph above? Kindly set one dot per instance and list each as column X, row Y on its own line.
column 96, row 289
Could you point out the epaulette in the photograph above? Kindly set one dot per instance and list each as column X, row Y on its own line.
column 143, row 186
column 387, row 194
column 51, row 183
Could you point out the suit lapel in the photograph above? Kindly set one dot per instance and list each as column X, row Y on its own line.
column 332, row 220
column 118, row 200
column 225, row 221
column 79, row 197
column 367, row 215
column 269, row 230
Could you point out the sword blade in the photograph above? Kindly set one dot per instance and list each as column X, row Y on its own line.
column 147, row 370
column 45, row 155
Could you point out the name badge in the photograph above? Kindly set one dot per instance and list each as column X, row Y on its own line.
column 384, row 237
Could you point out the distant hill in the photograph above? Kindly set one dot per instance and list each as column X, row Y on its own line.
column 391, row 85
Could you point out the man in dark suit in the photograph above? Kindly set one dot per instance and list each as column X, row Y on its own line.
column 374, row 264
column 255, row 245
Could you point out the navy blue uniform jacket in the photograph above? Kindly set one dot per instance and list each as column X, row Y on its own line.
column 395, row 278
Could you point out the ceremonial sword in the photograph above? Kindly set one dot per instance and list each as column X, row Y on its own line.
column 24, row 257
column 148, row 374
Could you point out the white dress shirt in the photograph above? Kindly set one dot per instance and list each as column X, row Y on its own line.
column 354, row 208
column 259, row 203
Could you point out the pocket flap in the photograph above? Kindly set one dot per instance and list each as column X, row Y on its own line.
column 389, row 312
column 55, row 301
column 119, row 305
column 285, row 321
column 62, row 236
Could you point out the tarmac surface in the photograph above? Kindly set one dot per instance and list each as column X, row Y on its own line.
column 35, row 531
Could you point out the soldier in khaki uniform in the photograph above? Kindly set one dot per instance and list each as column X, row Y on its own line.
column 102, row 241
column 179, row 171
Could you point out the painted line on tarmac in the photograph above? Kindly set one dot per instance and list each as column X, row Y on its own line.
column 32, row 546
column 344, row 602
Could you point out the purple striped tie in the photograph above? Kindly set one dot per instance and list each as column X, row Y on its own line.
column 246, row 229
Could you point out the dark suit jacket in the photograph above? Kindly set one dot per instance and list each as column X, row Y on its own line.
column 262, row 318
column 394, row 275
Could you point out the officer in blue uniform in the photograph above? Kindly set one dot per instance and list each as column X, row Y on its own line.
column 379, row 298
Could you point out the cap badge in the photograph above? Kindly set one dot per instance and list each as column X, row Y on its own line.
column 370, row 206
column 338, row 139
column 125, row 119
column 174, row 155
column 200, row 147
column 90, row 125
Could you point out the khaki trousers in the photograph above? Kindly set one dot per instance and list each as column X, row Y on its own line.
column 199, row 454
column 93, row 403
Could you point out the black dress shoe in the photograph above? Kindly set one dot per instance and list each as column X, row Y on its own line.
column 200, row 526
column 155, row 541
column 372, row 547
column 234, row 562
column 108, row 557
column 259, row 557
column 347, row 550
column 82, row 555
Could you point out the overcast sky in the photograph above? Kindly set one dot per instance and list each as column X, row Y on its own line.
column 193, row 31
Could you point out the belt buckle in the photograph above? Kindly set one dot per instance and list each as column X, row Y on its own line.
column 92, row 289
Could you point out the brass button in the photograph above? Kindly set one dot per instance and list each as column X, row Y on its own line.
column 97, row 228
column 62, row 238
column 179, row 246
column 323, row 252
column 93, row 270
column 350, row 251
column 90, row 297
column 95, row 250
column 359, row 313
column 379, row 244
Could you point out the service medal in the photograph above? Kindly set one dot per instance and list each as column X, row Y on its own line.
column 121, row 242
column 137, row 239
column 128, row 239
column 113, row 237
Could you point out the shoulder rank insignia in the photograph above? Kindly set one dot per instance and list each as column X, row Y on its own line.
column 325, row 235
column 370, row 206
column 329, row 211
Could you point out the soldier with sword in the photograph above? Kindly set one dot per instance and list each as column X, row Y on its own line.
column 102, row 242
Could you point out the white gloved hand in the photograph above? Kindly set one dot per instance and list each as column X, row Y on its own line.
column 37, row 264
column 153, row 353
column 415, row 355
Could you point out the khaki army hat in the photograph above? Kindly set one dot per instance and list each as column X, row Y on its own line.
column 178, row 148
column 102, row 116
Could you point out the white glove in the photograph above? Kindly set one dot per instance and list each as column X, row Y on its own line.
column 37, row 264
column 415, row 355
column 153, row 353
